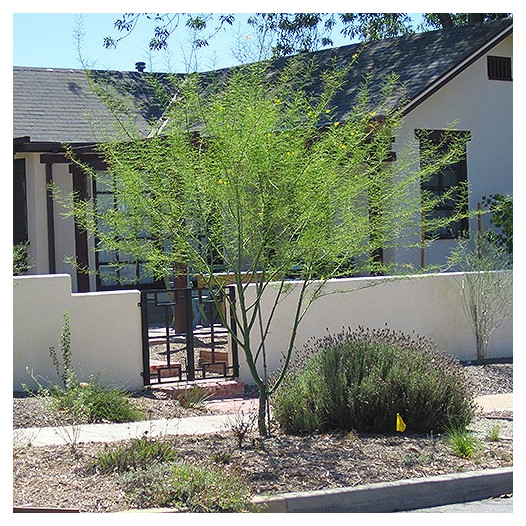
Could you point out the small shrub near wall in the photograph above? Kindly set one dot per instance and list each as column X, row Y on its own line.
column 360, row 380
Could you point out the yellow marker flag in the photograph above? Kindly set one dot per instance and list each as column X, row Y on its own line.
column 400, row 424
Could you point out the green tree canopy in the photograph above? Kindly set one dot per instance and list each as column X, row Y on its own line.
column 250, row 168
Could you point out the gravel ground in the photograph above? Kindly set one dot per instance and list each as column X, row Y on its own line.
column 58, row 477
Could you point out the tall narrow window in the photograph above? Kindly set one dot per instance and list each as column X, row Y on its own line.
column 20, row 233
column 448, row 189
column 115, row 268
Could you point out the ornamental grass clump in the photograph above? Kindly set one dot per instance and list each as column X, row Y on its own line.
column 361, row 379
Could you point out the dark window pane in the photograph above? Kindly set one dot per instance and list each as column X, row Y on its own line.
column 19, row 202
column 445, row 186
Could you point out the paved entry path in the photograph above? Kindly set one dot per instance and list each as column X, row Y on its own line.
column 499, row 402
column 223, row 413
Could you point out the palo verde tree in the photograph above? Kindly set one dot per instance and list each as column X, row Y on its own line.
column 252, row 161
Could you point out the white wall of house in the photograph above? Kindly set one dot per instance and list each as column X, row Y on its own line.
column 483, row 107
column 105, row 331
column 430, row 305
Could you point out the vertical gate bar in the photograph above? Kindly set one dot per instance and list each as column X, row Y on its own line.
column 212, row 333
column 190, row 359
column 167, row 309
column 145, row 340
column 233, row 328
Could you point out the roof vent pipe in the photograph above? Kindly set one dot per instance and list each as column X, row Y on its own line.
column 140, row 66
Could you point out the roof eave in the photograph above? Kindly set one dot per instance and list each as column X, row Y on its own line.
column 456, row 70
column 25, row 145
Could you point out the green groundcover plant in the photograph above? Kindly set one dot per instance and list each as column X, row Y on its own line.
column 360, row 380
column 192, row 488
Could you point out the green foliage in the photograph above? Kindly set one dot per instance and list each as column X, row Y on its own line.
column 251, row 168
column 501, row 210
column 20, row 259
column 359, row 380
column 191, row 488
column 462, row 443
column 293, row 32
column 63, row 364
column 494, row 433
column 135, row 454
column 83, row 402
column 194, row 397
column 92, row 401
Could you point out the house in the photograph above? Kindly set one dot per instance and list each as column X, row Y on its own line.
column 461, row 75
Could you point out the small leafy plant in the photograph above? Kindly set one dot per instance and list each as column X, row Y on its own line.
column 194, row 397
column 462, row 443
column 189, row 487
column 137, row 453
column 494, row 433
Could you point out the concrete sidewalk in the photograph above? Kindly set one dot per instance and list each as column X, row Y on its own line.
column 499, row 402
column 48, row 436
column 223, row 414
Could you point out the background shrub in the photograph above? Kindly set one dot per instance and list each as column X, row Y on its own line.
column 359, row 380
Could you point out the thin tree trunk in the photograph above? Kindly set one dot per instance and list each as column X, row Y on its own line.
column 262, row 412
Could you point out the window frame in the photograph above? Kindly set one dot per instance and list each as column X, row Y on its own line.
column 102, row 284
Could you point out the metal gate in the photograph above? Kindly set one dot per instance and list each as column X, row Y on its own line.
column 183, row 336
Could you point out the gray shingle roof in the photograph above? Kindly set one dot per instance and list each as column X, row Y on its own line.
column 420, row 60
column 57, row 104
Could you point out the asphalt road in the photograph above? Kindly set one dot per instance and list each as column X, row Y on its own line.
column 498, row 505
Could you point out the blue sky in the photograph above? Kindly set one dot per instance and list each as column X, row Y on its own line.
column 48, row 40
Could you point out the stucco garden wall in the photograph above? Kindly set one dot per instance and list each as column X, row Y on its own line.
column 430, row 305
column 106, row 326
column 105, row 331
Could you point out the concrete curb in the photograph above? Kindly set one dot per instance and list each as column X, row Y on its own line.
column 402, row 495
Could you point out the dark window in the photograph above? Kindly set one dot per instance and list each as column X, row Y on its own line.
column 499, row 68
column 116, row 269
column 448, row 187
column 20, row 234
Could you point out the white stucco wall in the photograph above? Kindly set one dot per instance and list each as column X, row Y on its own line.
column 429, row 305
column 105, row 331
column 106, row 326
column 483, row 107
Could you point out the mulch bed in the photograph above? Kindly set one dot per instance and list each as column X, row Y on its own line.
column 57, row 476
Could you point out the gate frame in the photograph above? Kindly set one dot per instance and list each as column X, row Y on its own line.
column 189, row 334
